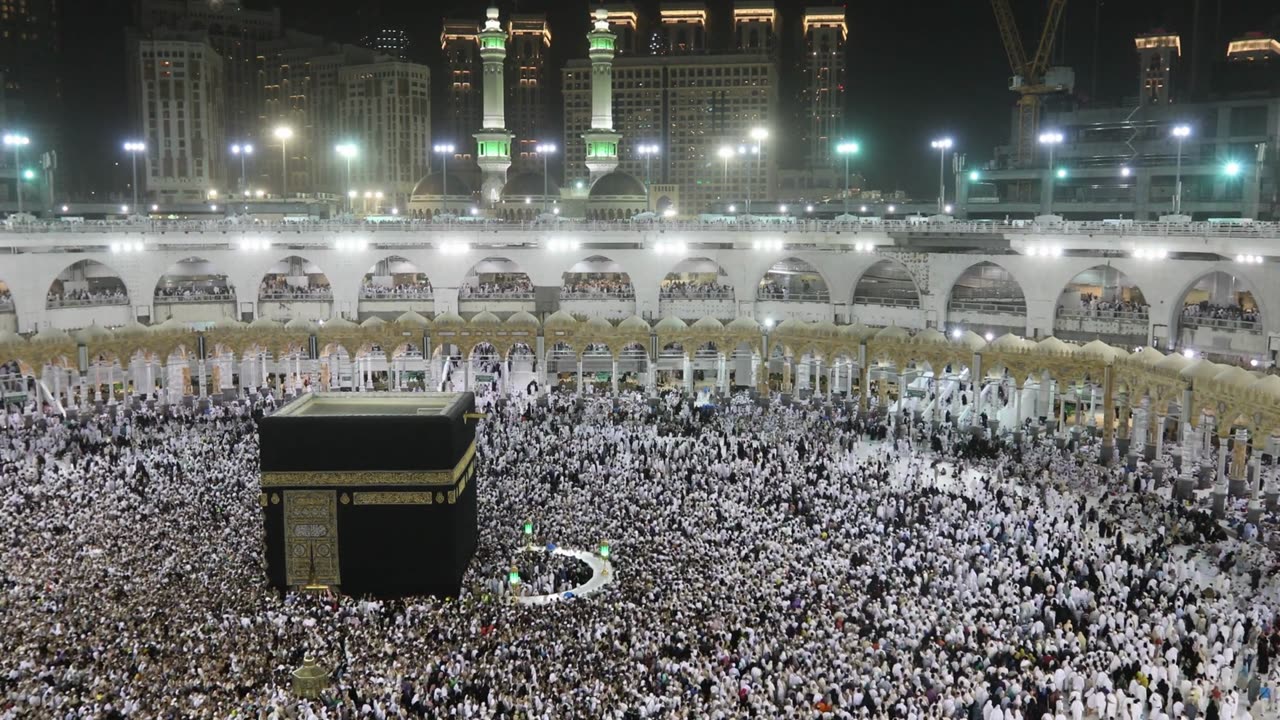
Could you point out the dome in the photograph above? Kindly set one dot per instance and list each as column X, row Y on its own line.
column 1098, row 349
column 1174, row 363
column 264, row 323
column 1054, row 345
column 599, row 324
column 433, row 184
column 527, row 184
column 744, row 323
column 616, row 183
column 174, row 325
column 1235, row 377
column 670, row 324
column 1200, row 370
column 523, row 320
column 373, row 322
column 635, row 323
column 560, row 320
column 300, row 323
column 93, row 332
column 484, row 318
column 972, row 340
column 1149, row 357
column 857, row 331
column 1268, row 387
column 1007, row 342
column 823, row 328
column 51, row 334
column 133, row 327
column 792, row 326
column 412, row 319
column 708, row 323
column 339, row 322
column 893, row 332
column 223, row 323
column 930, row 336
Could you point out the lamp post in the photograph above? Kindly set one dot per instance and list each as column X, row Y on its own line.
column 17, row 142
column 847, row 149
column 545, row 150
column 1180, row 133
column 132, row 147
column 942, row 145
column 241, row 151
column 444, row 150
column 283, row 133
column 348, row 151
column 1050, row 139
column 725, row 152
column 758, row 134
column 647, row 152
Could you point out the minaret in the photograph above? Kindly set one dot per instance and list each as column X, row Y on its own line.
column 602, row 141
column 493, row 142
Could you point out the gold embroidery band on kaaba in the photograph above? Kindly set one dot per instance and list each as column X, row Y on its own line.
column 356, row 478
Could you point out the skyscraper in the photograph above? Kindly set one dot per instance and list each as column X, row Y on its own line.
column 29, row 57
column 529, row 41
column 754, row 25
column 385, row 108
column 181, row 81
column 1157, row 53
column 684, row 27
column 624, row 22
column 825, row 34
column 459, row 118
column 390, row 41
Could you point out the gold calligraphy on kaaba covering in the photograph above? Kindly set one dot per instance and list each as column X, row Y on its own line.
column 311, row 538
column 356, row 478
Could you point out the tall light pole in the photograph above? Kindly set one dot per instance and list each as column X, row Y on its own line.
column 17, row 142
column 942, row 145
column 847, row 149
column 133, row 147
column 241, row 151
column 545, row 150
column 347, row 151
column 758, row 134
column 445, row 150
column 283, row 133
column 1180, row 133
column 725, row 152
column 1051, row 139
column 647, row 152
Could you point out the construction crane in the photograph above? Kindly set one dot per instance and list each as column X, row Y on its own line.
column 1028, row 75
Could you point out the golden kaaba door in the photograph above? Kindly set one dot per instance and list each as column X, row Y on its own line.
column 311, row 537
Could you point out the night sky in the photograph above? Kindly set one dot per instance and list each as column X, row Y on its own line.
column 917, row 68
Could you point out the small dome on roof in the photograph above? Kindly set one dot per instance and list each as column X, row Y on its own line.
column 708, row 323
column 823, row 328
column 595, row 322
column 857, row 331
column 300, row 323
column 617, row 183
column 410, row 318
column 744, row 323
column 635, row 323
column 793, row 326
column 339, row 322
column 670, row 324
column 1054, row 345
column 929, row 336
column 1200, row 370
column 893, row 332
column 526, row 184
column 433, row 184
column 484, row 318
column 1098, row 349
column 1007, row 342
column 8, row 337
column 972, row 340
column 1268, row 387
column 1235, row 377
column 373, row 322
column 560, row 320
column 226, row 322
column 524, row 320
column 93, row 332
column 262, row 323
column 51, row 334
column 170, row 325
column 1173, row 362
column 1149, row 357
column 133, row 327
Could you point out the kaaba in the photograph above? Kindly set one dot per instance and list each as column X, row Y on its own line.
column 370, row 493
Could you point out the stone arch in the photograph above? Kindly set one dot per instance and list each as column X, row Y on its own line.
column 395, row 277
column 780, row 282
column 276, row 285
column 194, row 276
column 495, row 276
column 1100, row 276
column 88, row 278
column 597, row 274
column 1243, row 289
column 883, row 280
column 987, row 283
column 697, row 278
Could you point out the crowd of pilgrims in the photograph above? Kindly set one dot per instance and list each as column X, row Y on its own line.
column 770, row 561
column 1206, row 309
column 587, row 286
column 103, row 296
column 695, row 290
column 193, row 291
column 1094, row 305
column 420, row 289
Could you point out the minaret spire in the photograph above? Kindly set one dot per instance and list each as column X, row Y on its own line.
column 601, row 140
column 493, row 142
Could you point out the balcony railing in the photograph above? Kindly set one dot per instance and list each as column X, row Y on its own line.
column 588, row 295
column 497, row 295
column 908, row 302
column 367, row 294
column 1251, row 326
column 820, row 297
column 1121, row 315
column 86, row 302
column 709, row 294
column 999, row 308
column 195, row 298
column 6, row 305
column 315, row 296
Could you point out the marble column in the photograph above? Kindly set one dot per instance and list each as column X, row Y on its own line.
column 1255, row 479
column 1238, row 484
column 613, row 376
column 1220, row 484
